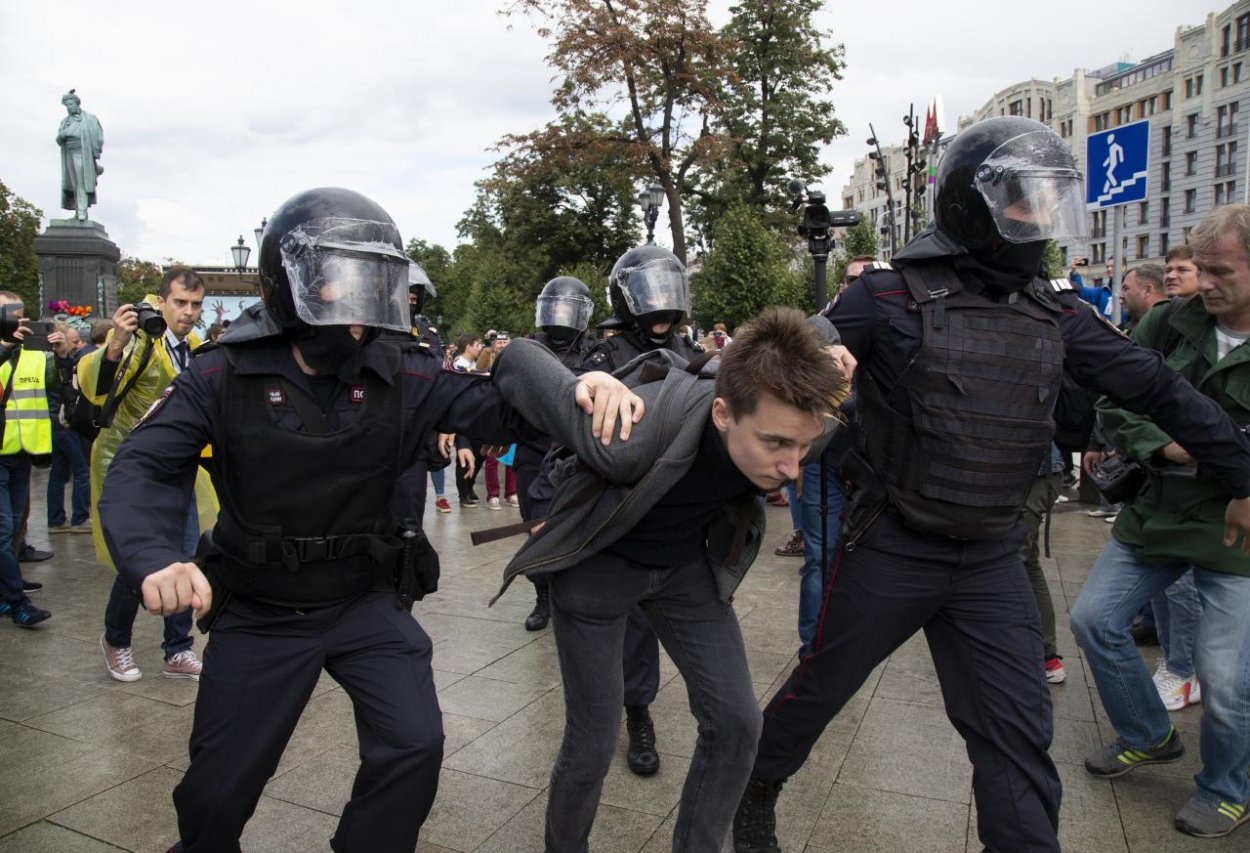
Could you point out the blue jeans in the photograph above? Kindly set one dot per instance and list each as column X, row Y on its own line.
column 439, row 481
column 68, row 460
column 14, row 492
column 1117, row 587
column 812, row 580
column 123, row 604
column 1176, row 612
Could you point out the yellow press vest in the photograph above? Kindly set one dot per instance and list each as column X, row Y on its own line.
column 27, row 424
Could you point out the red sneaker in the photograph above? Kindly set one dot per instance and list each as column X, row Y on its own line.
column 441, row 505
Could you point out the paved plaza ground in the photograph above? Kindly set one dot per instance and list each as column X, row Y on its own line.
column 88, row 763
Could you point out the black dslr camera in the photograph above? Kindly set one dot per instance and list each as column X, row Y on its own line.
column 150, row 320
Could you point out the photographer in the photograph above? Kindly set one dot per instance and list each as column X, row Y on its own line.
column 149, row 346
column 27, row 377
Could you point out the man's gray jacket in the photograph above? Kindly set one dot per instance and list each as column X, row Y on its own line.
column 607, row 492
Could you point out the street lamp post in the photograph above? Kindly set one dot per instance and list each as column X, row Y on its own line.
column 240, row 252
column 650, row 200
column 260, row 232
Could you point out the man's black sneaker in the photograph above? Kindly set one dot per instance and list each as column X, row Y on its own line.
column 1116, row 759
column 27, row 615
column 31, row 586
column 31, row 554
column 755, row 821
column 642, row 757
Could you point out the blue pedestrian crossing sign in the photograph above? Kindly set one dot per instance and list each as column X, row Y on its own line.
column 1116, row 164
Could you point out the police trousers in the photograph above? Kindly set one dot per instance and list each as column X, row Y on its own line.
column 261, row 665
column 975, row 604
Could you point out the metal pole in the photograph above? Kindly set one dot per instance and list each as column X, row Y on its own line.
column 819, row 249
column 1117, row 238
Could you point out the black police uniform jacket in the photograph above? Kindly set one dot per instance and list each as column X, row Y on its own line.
column 956, row 388
column 284, row 483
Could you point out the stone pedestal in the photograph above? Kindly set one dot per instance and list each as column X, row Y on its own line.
column 78, row 263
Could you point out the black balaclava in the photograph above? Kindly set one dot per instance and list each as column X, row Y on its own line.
column 333, row 350
column 1007, row 267
column 645, row 322
column 562, row 338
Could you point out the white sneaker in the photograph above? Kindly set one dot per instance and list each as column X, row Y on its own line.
column 120, row 661
column 493, row 503
column 514, row 501
column 1062, row 499
column 1176, row 692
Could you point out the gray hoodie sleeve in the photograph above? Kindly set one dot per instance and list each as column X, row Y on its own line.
column 541, row 389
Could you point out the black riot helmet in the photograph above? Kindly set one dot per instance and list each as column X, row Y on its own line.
column 331, row 257
column 419, row 288
column 1008, row 180
column 648, row 285
column 563, row 310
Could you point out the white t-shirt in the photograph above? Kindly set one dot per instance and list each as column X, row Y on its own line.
column 1226, row 341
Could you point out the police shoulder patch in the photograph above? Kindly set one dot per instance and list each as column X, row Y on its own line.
column 155, row 408
column 1061, row 285
column 880, row 265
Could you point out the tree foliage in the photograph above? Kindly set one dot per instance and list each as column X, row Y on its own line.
column 772, row 112
column 658, row 60
column 136, row 279
column 1052, row 261
column 747, row 270
column 19, row 267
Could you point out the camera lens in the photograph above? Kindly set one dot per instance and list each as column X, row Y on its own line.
column 8, row 324
column 150, row 320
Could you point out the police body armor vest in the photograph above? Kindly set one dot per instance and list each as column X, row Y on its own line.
column 959, row 439
column 27, row 423
column 306, row 516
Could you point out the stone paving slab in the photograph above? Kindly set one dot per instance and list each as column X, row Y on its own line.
column 90, row 762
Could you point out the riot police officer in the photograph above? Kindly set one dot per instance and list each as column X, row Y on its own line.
column 961, row 346
column 561, row 315
column 317, row 553
column 649, row 293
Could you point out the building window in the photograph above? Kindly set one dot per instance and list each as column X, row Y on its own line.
column 1163, row 244
column 1243, row 33
column 1197, row 85
column 1166, row 182
column 1226, row 159
column 1143, row 213
column 1224, row 40
column 1098, row 226
column 1236, row 72
column 1191, row 163
column 1167, row 100
column 1166, row 133
column 1191, row 125
column 1226, row 120
column 1191, row 201
column 1143, row 246
column 1015, row 108
column 1219, row 194
column 1165, row 212
column 1224, row 77
column 1099, row 251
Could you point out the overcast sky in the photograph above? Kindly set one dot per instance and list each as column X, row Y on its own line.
column 213, row 114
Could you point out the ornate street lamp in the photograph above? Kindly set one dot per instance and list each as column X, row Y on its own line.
column 241, row 253
column 650, row 200
column 260, row 232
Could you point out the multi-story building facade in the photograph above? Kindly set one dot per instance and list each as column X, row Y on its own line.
column 1195, row 94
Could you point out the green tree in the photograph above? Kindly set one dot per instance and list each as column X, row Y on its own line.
column 136, row 279
column 747, row 270
column 859, row 240
column 19, row 267
column 1052, row 261
column 436, row 261
column 659, row 60
column 773, row 112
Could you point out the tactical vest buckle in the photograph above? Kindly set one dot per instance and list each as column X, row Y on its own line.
column 316, row 549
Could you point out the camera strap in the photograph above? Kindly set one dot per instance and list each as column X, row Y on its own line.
column 14, row 355
column 115, row 397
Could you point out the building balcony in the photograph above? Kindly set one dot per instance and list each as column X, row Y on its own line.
column 1225, row 170
column 1225, row 131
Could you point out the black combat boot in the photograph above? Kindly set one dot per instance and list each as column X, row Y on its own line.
column 541, row 615
column 642, row 757
column 755, row 822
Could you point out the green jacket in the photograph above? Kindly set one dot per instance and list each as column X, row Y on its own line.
column 1175, row 518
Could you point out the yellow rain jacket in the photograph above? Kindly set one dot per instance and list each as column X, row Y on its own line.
column 157, row 375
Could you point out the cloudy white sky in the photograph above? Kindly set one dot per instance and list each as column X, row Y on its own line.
column 214, row 113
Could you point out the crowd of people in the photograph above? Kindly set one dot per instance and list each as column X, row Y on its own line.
column 919, row 427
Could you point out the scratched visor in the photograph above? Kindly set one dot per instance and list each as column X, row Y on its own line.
column 1033, row 191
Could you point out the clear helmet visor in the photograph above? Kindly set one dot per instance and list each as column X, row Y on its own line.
column 655, row 286
column 1033, row 191
column 347, row 271
column 572, row 312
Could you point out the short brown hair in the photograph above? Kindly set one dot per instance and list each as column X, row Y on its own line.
column 187, row 277
column 778, row 353
column 1180, row 253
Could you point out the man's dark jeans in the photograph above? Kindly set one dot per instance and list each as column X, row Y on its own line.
column 590, row 604
column 69, row 462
